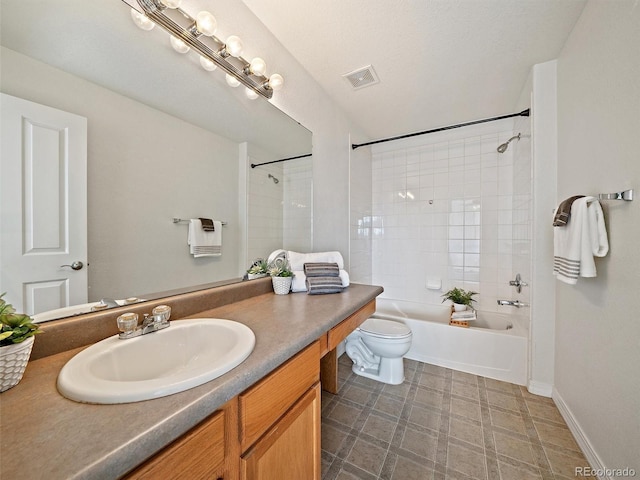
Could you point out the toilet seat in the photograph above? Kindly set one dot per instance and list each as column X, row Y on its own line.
column 380, row 328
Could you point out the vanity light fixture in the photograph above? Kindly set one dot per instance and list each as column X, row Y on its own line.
column 197, row 33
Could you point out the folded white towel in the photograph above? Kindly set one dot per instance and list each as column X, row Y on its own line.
column 202, row 243
column 299, row 280
column 576, row 244
column 297, row 260
column 465, row 315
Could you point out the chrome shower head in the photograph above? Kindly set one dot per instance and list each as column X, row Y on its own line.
column 275, row 180
column 503, row 148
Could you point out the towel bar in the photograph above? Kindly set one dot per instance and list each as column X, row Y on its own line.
column 182, row 220
column 626, row 195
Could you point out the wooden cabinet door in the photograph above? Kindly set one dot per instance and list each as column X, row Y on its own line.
column 291, row 448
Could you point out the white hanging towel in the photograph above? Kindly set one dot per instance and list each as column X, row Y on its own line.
column 202, row 243
column 575, row 244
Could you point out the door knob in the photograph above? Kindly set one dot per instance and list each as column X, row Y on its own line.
column 75, row 265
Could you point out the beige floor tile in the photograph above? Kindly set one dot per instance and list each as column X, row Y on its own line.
column 466, row 431
column 465, row 390
column 345, row 476
column 401, row 390
column 424, row 418
column 544, row 410
column 430, row 380
column 465, row 377
column 510, row 472
column 514, row 448
column 551, row 434
column 356, row 394
column 499, row 385
column 428, row 397
column 565, row 463
column 466, row 408
column 379, row 427
column 388, row 405
column 424, row 444
column 509, row 421
column 405, row 469
column 466, row 461
column 344, row 414
column 502, row 400
column 332, row 439
column 367, row 456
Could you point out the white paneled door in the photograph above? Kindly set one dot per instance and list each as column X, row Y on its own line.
column 43, row 201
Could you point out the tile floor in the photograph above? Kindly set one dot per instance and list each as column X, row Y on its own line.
column 442, row 424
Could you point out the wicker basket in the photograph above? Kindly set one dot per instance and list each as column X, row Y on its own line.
column 13, row 362
column 281, row 285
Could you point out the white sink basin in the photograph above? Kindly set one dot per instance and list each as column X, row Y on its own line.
column 185, row 355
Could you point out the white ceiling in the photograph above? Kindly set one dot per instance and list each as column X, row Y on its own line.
column 440, row 62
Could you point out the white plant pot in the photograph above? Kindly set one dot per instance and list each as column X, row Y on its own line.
column 13, row 361
column 459, row 307
column 281, row 285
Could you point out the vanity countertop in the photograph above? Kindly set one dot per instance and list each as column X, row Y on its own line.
column 44, row 434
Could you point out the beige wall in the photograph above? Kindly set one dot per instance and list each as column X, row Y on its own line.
column 597, row 378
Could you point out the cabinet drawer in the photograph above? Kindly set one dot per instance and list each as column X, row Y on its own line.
column 349, row 324
column 199, row 454
column 265, row 402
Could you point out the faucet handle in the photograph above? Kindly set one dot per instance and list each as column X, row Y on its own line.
column 518, row 283
column 127, row 322
column 162, row 313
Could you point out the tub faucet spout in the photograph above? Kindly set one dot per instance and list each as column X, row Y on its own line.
column 512, row 303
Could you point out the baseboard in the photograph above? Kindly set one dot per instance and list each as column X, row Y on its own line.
column 540, row 388
column 581, row 438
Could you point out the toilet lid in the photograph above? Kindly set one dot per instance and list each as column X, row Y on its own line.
column 385, row 328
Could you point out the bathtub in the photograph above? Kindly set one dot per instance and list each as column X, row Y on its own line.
column 493, row 346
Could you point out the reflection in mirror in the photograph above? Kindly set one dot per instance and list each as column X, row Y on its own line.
column 165, row 139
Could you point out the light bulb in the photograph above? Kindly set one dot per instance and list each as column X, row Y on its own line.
column 207, row 64
column 276, row 81
column 251, row 95
column 179, row 46
column 171, row 3
column 142, row 21
column 232, row 81
column 234, row 46
column 258, row 66
column 206, row 23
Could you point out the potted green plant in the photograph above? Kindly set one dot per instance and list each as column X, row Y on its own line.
column 259, row 268
column 16, row 341
column 281, row 277
column 461, row 298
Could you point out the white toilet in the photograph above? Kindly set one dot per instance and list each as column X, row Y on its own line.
column 377, row 347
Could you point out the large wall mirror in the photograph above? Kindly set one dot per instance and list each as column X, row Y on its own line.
column 165, row 139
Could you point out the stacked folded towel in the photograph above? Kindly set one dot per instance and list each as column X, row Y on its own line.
column 297, row 263
column 322, row 277
column 203, row 243
column 467, row 315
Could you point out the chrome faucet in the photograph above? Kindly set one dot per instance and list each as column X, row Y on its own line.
column 512, row 303
column 128, row 322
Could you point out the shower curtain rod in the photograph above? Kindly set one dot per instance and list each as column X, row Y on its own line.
column 254, row 165
column 524, row 113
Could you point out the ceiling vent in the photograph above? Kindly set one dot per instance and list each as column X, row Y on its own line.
column 363, row 77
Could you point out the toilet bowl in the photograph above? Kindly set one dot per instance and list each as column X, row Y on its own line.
column 376, row 348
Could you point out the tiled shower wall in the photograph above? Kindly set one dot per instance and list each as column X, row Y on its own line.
column 279, row 215
column 442, row 214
